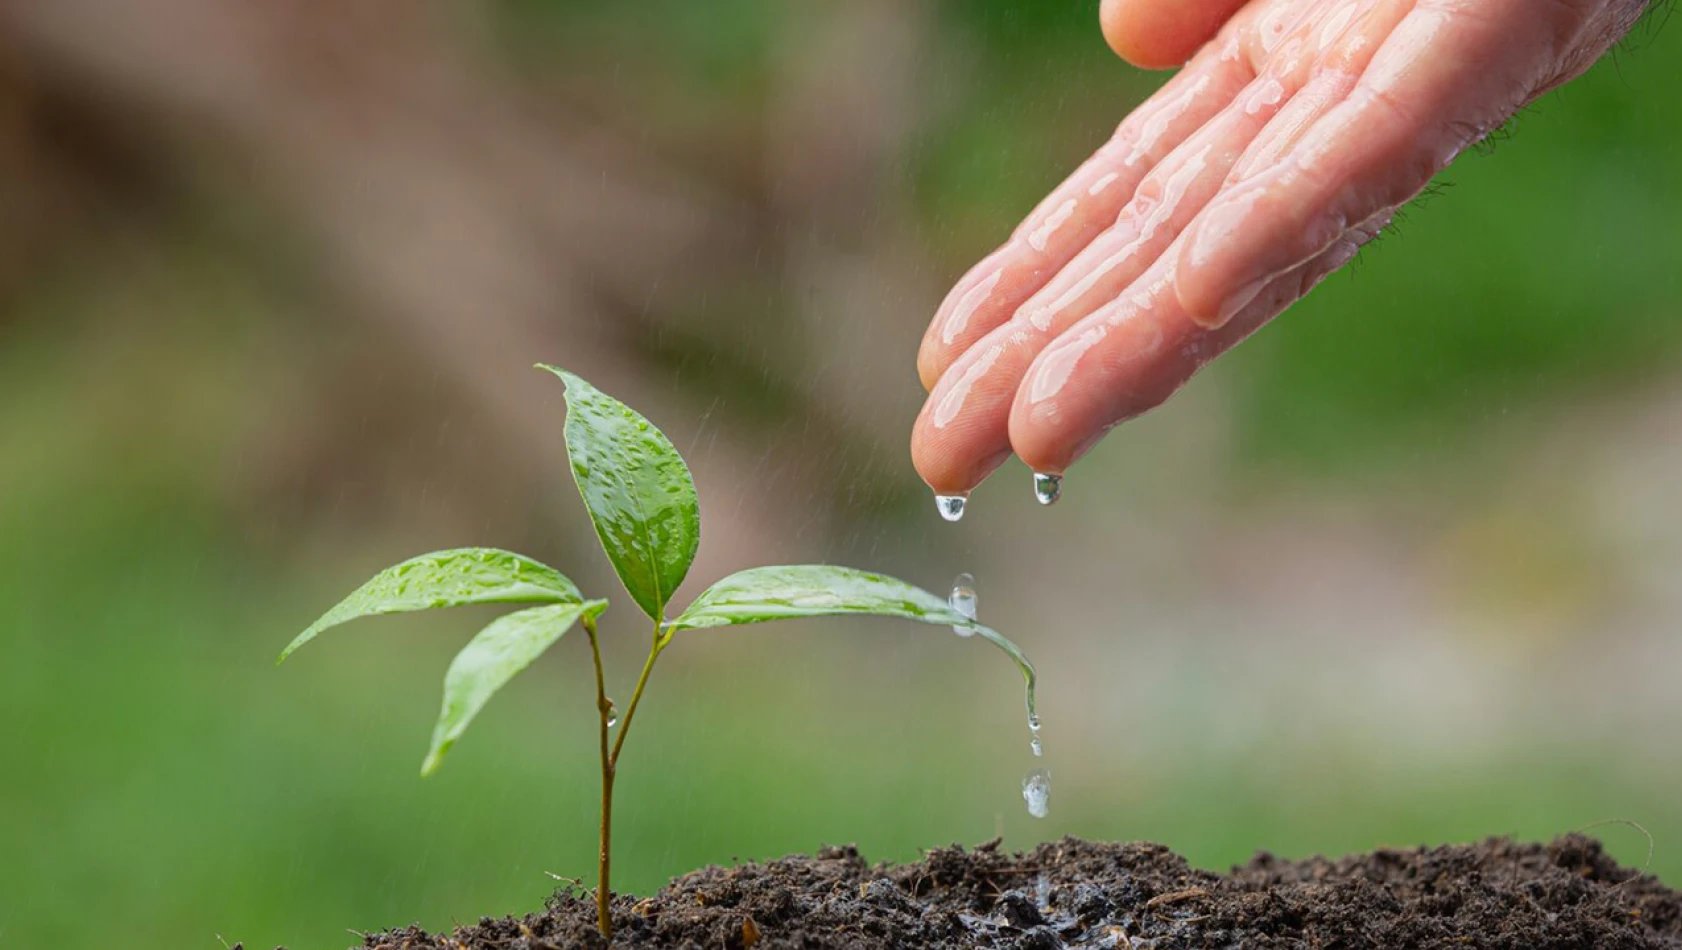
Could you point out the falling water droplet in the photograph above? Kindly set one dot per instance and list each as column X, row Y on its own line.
column 1042, row 891
column 1036, row 791
column 1034, row 735
column 951, row 506
column 1047, row 488
column 964, row 600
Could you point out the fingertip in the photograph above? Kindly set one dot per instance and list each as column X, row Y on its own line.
column 1051, row 423
column 1119, row 21
column 928, row 368
column 1152, row 34
column 1119, row 363
column 1046, row 442
column 948, row 472
column 960, row 435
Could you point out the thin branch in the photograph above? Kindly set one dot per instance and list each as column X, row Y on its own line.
column 636, row 696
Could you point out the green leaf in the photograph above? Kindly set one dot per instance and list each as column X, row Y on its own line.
column 813, row 590
column 818, row 590
column 490, row 660
column 639, row 492
column 448, row 579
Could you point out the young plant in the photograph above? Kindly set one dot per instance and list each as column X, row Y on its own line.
column 641, row 499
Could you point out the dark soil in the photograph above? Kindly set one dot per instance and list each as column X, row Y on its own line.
column 1072, row 893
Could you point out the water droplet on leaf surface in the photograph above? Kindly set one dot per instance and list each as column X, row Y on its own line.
column 951, row 507
column 1036, row 791
column 1047, row 488
column 964, row 601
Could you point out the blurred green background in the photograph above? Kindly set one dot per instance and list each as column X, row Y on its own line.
column 1403, row 569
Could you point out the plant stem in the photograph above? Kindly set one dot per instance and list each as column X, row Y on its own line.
column 604, row 707
column 610, row 765
column 636, row 696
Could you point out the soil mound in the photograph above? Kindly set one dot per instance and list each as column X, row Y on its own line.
column 1078, row 894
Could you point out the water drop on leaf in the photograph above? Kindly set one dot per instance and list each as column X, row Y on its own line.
column 964, row 601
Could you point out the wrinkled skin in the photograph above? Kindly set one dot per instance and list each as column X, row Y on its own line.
column 1286, row 142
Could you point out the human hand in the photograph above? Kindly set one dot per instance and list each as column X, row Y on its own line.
column 1286, row 143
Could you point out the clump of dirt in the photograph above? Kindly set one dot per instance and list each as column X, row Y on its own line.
column 1078, row 894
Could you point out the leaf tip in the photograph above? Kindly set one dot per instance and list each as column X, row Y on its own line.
column 434, row 758
column 292, row 647
column 570, row 379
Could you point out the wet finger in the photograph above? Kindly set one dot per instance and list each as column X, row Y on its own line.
column 1439, row 80
column 1132, row 355
column 963, row 432
column 1082, row 207
column 1341, row 45
column 959, row 437
column 1171, row 196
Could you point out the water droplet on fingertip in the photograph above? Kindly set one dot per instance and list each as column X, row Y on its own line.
column 951, row 507
column 1036, row 792
column 1047, row 488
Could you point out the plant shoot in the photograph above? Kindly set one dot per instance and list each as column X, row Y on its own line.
column 641, row 499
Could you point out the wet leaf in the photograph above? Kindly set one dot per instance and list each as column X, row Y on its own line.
column 448, row 579
column 639, row 492
column 813, row 590
column 819, row 590
column 491, row 659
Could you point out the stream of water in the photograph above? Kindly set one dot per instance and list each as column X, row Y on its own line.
column 1036, row 786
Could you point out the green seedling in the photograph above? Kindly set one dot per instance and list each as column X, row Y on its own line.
column 642, row 501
